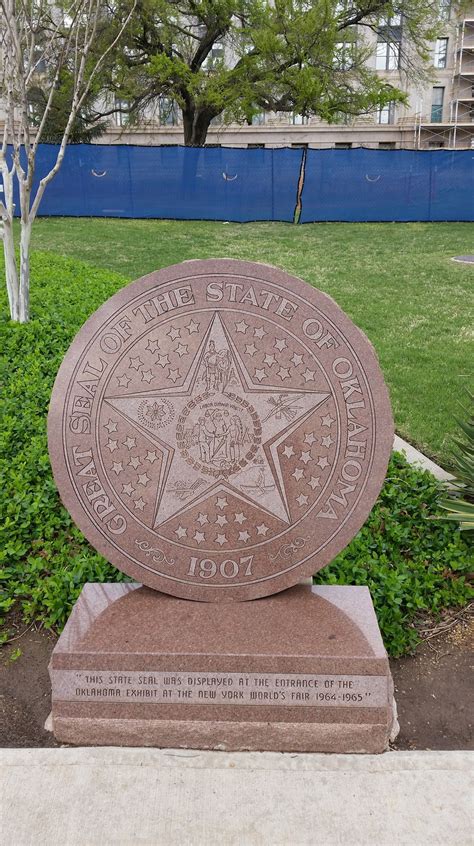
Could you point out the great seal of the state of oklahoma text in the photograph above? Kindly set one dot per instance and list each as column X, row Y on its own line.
column 219, row 430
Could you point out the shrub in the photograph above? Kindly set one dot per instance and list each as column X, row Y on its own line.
column 410, row 563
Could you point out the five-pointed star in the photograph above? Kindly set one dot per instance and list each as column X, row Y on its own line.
column 162, row 360
column 327, row 441
column 310, row 438
column 241, row 327
column 151, row 456
column 199, row 537
column 139, row 504
column 174, row 333
column 280, row 344
column 298, row 474
column 136, row 363
column 123, row 381
column 182, row 349
column 327, row 420
column 111, row 426
column 259, row 332
column 134, row 462
column 302, row 500
column 147, row 376
column 296, row 359
column 269, row 359
column 240, row 517
column 117, row 467
column 244, row 536
column 192, row 327
column 323, row 462
column 152, row 346
column 260, row 481
column 250, row 349
column 128, row 489
column 314, row 482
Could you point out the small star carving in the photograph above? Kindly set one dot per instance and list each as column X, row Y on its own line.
column 192, row 327
column 162, row 360
column 288, row 451
column 240, row 517
column 302, row 500
column 322, row 462
column 152, row 346
column 220, row 539
column 182, row 349
column 251, row 349
column 327, row 420
column 260, row 373
column 269, row 359
column 308, row 375
column 280, row 344
column 244, row 536
column 296, row 359
column 305, row 457
column 173, row 375
column 139, row 504
column 112, row 445
column 181, row 532
column 314, row 482
column 327, row 441
column 298, row 474
column 202, row 518
column 128, row 489
column 221, row 502
column 241, row 327
column 310, row 438
column 129, row 442
column 283, row 373
column 147, row 376
column 221, row 520
column 199, row 537
column 111, row 426
column 136, row 363
column 134, row 462
column 117, row 467
column 143, row 479
column 174, row 333
column 151, row 456
column 259, row 332
column 262, row 529
column 123, row 381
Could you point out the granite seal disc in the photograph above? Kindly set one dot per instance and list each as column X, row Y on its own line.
column 219, row 430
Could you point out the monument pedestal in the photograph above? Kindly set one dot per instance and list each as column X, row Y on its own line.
column 304, row 670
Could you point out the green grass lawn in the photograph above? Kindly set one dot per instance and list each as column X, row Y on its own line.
column 396, row 281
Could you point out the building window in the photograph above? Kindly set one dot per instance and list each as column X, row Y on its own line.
column 386, row 114
column 215, row 55
column 437, row 104
column 441, row 53
column 343, row 58
column 387, row 56
column 444, row 10
column 121, row 114
column 168, row 112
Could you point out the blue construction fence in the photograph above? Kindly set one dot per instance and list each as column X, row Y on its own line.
column 101, row 180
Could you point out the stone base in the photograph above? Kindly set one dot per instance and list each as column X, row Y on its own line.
column 304, row 670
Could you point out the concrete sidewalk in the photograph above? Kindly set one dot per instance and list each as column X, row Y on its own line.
column 74, row 797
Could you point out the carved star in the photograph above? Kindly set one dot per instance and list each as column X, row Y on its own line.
column 308, row 375
column 181, row 532
column 192, row 327
column 250, row 349
column 260, row 374
column 241, row 327
column 147, row 376
column 139, row 504
column 111, row 426
column 134, row 462
column 221, row 520
column 152, row 346
column 314, row 482
column 221, row 502
column 244, row 536
column 182, row 349
column 296, row 359
column 199, row 537
column 302, row 500
column 173, row 375
column 174, row 333
column 220, row 539
column 288, row 451
column 269, row 359
column 162, row 360
column 143, row 479
column 129, row 442
column 298, row 474
column 310, row 438
column 259, row 332
column 323, row 462
column 151, row 456
column 128, row 489
column 262, row 529
column 136, row 363
column 327, row 441
column 123, row 381
column 112, row 445
column 117, row 467
column 305, row 457
column 327, row 420
column 240, row 517
column 283, row 373
column 280, row 344
column 202, row 518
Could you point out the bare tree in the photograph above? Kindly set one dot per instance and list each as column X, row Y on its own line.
column 39, row 39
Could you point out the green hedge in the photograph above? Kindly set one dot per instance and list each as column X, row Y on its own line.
column 410, row 563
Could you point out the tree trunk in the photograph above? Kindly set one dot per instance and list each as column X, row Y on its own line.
column 24, row 298
column 196, row 123
column 11, row 271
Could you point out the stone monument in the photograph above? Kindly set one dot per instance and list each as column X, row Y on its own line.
column 220, row 430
